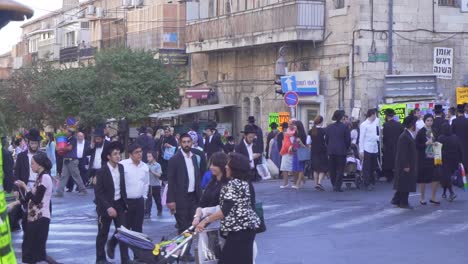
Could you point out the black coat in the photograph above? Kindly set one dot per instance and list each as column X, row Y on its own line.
column 179, row 181
column 421, row 139
column 92, row 152
column 391, row 132
column 147, row 144
column 270, row 136
column 259, row 144
column 406, row 157
column 104, row 190
column 437, row 126
column 451, row 152
column 216, row 145
column 460, row 128
column 8, row 164
column 241, row 148
column 22, row 167
column 338, row 139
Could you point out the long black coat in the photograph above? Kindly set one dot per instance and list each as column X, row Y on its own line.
column 406, row 157
column 213, row 146
column 338, row 139
column 451, row 156
column 460, row 128
column 437, row 126
column 22, row 167
column 391, row 132
column 241, row 148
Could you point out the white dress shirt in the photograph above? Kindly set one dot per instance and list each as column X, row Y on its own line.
column 97, row 158
column 116, row 178
column 190, row 171
column 136, row 179
column 368, row 137
column 80, row 149
column 451, row 119
column 250, row 151
column 32, row 174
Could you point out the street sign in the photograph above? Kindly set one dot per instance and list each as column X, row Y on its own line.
column 306, row 82
column 291, row 99
column 288, row 83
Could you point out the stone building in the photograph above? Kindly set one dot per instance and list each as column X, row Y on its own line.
column 234, row 47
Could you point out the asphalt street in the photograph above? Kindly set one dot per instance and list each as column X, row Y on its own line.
column 304, row 226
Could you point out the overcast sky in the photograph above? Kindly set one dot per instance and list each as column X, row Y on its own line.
column 11, row 34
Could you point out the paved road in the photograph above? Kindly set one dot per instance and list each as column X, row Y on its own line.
column 304, row 227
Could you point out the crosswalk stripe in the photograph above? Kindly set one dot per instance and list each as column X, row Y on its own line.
column 318, row 216
column 72, row 226
column 368, row 218
column 271, row 216
column 59, row 209
column 65, row 242
column 73, row 234
column 270, row 206
column 81, row 218
column 458, row 228
column 49, row 250
column 420, row 220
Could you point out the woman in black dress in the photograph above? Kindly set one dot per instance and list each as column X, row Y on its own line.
column 426, row 168
column 451, row 157
column 318, row 152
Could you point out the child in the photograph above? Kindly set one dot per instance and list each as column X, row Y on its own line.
column 155, row 181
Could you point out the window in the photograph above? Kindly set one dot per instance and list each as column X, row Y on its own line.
column 257, row 110
column 70, row 39
column 339, row 4
column 452, row 3
column 84, row 24
column 246, row 108
column 33, row 45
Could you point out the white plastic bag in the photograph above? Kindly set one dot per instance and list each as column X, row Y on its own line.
column 209, row 241
column 263, row 171
column 272, row 168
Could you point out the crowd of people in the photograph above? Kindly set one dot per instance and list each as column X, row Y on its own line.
column 421, row 150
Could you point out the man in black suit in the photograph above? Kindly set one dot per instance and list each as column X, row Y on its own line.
column 111, row 202
column 183, row 195
column 95, row 151
column 439, row 120
column 338, row 140
column 459, row 128
column 259, row 145
column 213, row 141
column 23, row 170
column 391, row 132
column 248, row 148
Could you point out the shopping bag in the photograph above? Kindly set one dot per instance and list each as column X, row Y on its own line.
column 463, row 175
column 437, row 154
column 169, row 153
column 262, row 170
column 164, row 195
column 272, row 168
column 206, row 179
column 303, row 154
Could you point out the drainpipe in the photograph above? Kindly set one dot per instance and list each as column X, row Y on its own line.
column 390, row 37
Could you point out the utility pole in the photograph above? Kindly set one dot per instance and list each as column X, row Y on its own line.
column 390, row 37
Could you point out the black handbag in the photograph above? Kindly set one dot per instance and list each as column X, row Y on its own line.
column 259, row 210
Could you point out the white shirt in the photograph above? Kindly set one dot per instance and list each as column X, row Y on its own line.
column 190, row 170
column 32, row 174
column 466, row 115
column 354, row 136
column 250, row 151
column 368, row 137
column 80, row 149
column 451, row 119
column 97, row 158
column 209, row 139
column 116, row 178
column 136, row 179
column 308, row 140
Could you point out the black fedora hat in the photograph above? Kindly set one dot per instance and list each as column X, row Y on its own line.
column 34, row 135
column 249, row 129
column 251, row 119
column 389, row 112
column 98, row 132
column 274, row 125
column 438, row 109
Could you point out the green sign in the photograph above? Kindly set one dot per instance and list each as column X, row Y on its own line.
column 272, row 118
column 400, row 112
column 377, row 57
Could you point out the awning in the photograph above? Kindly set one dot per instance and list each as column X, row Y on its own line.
column 197, row 93
column 189, row 110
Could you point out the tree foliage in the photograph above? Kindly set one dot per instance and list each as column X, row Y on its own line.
column 121, row 83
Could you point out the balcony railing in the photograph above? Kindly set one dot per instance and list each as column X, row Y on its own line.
column 87, row 52
column 294, row 20
column 69, row 54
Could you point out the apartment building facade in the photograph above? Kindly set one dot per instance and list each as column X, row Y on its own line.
column 235, row 46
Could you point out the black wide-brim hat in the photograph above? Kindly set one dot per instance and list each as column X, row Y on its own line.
column 34, row 135
column 438, row 108
column 461, row 108
column 251, row 119
column 248, row 129
column 389, row 112
column 98, row 132
column 274, row 125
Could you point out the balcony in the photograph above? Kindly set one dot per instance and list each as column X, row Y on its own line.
column 69, row 54
column 290, row 21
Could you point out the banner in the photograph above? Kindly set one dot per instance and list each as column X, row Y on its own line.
column 278, row 118
column 462, row 95
column 426, row 108
column 400, row 112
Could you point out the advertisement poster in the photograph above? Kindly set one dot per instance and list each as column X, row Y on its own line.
column 278, row 118
column 462, row 95
column 443, row 63
column 400, row 112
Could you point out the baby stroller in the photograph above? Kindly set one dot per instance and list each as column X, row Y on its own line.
column 164, row 252
column 353, row 168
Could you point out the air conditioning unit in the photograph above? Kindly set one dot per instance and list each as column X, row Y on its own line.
column 91, row 10
column 99, row 12
column 126, row 3
column 137, row 2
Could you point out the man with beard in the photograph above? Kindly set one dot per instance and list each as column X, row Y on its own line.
column 406, row 164
column 95, row 151
column 247, row 147
column 23, row 171
column 184, row 191
column 391, row 132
